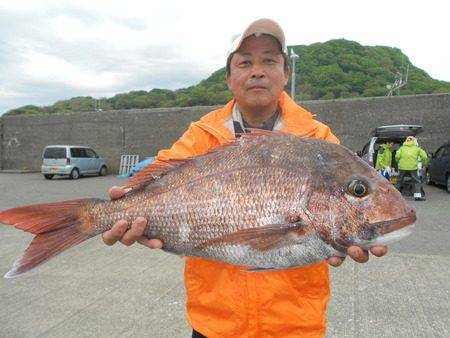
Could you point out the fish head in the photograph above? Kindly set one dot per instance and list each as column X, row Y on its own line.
column 365, row 209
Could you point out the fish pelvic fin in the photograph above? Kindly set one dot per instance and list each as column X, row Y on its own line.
column 57, row 226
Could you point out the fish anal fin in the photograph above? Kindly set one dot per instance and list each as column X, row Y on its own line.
column 268, row 269
column 261, row 269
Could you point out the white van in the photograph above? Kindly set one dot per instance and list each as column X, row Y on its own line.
column 71, row 161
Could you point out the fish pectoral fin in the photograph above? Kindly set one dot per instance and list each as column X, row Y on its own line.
column 260, row 238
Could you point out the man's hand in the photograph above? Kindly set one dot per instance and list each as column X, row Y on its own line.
column 359, row 255
column 120, row 231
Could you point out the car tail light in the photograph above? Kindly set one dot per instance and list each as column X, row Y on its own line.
column 67, row 161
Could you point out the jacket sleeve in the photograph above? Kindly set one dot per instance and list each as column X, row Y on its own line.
column 194, row 141
column 424, row 156
column 324, row 133
column 398, row 154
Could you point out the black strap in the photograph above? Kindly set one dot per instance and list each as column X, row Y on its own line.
column 196, row 334
column 268, row 125
column 238, row 128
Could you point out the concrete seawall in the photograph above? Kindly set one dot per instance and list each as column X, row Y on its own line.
column 145, row 131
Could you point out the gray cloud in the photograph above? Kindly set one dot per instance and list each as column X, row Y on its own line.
column 141, row 66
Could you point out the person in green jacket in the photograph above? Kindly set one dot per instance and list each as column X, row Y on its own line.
column 384, row 159
column 407, row 158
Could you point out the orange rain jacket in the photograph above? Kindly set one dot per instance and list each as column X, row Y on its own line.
column 224, row 301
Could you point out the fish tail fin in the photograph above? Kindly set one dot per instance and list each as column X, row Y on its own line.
column 57, row 226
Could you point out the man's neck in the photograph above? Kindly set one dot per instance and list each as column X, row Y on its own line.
column 257, row 117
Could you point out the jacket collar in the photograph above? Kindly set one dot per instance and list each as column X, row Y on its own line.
column 294, row 119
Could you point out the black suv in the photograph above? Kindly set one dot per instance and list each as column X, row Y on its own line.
column 438, row 167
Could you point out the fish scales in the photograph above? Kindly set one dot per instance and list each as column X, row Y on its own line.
column 181, row 209
column 270, row 201
column 254, row 185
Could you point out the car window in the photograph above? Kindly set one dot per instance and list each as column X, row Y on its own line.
column 78, row 152
column 439, row 152
column 55, row 153
column 446, row 151
column 75, row 152
column 90, row 153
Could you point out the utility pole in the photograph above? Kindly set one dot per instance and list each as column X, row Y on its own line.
column 293, row 58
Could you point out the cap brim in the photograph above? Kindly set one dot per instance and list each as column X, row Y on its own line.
column 261, row 26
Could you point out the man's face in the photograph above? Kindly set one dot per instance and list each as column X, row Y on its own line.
column 257, row 76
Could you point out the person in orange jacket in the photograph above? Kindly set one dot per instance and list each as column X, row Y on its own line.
column 222, row 299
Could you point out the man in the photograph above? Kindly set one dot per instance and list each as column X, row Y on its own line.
column 384, row 159
column 222, row 300
column 407, row 158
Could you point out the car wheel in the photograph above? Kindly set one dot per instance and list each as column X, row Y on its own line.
column 103, row 171
column 75, row 174
column 428, row 178
column 48, row 176
column 448, row 184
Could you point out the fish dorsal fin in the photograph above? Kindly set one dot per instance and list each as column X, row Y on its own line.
column 155, row 170
column 252, row 135
column 149, row 174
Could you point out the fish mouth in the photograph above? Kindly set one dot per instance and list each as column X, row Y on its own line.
column 390, row 231
column 389, row 237
column 394, row 224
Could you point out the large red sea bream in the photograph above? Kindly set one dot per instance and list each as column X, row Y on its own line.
column 268, row 200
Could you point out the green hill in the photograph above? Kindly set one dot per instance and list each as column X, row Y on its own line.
column 334, row 69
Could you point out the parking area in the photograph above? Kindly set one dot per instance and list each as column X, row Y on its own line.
column 99, row 291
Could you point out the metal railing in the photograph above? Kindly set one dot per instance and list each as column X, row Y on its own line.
column 127, row 162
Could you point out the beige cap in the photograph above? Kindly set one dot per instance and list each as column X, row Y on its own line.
column 258, row 27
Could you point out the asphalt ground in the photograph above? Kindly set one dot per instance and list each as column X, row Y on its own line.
column 99, row 291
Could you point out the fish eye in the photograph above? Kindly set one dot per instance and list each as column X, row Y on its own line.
column 358, row 188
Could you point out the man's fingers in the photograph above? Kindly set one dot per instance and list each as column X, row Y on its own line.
column 117, row 192
column 110, row 237
column 335, row 261
column 379, row 250
column 151, row 243
column 358, row 254
column 120, row 232
column 136, row 231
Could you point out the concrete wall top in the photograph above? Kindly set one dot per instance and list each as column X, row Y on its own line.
column 145, row 131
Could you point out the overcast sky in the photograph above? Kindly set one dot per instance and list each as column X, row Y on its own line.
column 54, row 50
